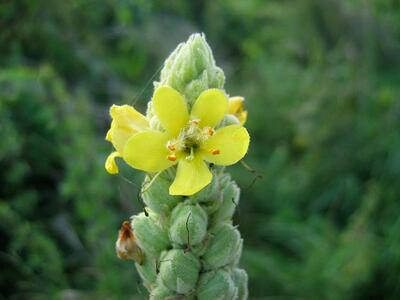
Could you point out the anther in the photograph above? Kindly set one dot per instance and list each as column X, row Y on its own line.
column 171, row 157
column 195, row 122
column 210, row 131
column 215, row 151
column 171, row 147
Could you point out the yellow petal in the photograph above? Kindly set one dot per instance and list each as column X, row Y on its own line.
column 126, row 122
column 119, row 135
column 171, row 109
column 242, row 116
column 111, row 165
column 227, row 146
column 147, row 151
column 236, row 106
column 210, row 107
column 191, row 177
column 109, row 135
column 127, row 116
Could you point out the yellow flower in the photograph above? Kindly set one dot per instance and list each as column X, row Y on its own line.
column 126, row 122
column 236, row 105
column 189, row 140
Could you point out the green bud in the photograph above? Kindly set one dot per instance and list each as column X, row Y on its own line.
column 223, row 248
column 239, row 251
column 156, row 195
column 216, row 285
column 179, row 270
column 230, row 201
column 160, row 292
column 191, row 69
column 240, row 279
column 208, row 194
column 151, row 238
column 188, row 224
column 224, row 180
column 148, row 271
column 229, row 120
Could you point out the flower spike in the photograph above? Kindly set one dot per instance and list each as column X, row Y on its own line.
column 184, row 244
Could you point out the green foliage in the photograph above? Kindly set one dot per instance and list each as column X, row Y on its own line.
column 321, row 83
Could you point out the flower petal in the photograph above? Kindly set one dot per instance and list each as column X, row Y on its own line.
column 147, row 151
column 210, row 107
column 191, row 177
column 236, row 104
column 119, row 135
column 242, row 117
column 227, row 146
column 171, row 109
column 127, row 116
column 236, row 108
column 110, row 164
column 126, row 122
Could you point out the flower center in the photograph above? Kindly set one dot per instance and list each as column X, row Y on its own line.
column 189, row 140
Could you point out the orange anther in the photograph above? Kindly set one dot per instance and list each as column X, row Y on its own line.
column 171, row 157
column 210, row 131
column 215, row 151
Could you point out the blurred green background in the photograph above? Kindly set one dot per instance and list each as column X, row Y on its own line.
column 322, row 83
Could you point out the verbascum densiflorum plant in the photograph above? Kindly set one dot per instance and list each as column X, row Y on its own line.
column 184, row 244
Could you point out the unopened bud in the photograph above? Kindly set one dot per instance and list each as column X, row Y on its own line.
column 156, row 195
column 179, row 270
column 126, row 246
column 160, row 292
column 216, row 285
column 229, row 120
column 210, row 193
column 223, row 248
column 229, row 204
column 240, row 279
column 149, row 234
column 191, row 69
column 148, row 271
column 188, row 224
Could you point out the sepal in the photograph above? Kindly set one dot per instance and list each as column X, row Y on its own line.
column 188, row 224
column 179, row 270
column 223, row 248
column 216, row 285
column 151, row 237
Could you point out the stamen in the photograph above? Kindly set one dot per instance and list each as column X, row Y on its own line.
column 195, row 122
column 210, row 131
column 171, row 157
column 215, row 151
column 171, row 147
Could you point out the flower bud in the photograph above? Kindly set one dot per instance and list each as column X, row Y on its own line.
column 191, row 69
column 126, row 246
column 229, row 203
column 150, row 236
column 179, row 270
column 188, row 224
column 239, row 251
column 160, row 292
column 148, row 271
column 240, row 279
column 229, row 120
column 208, row 194
column 223, row 248
column 156, row 195
column 216, row 285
